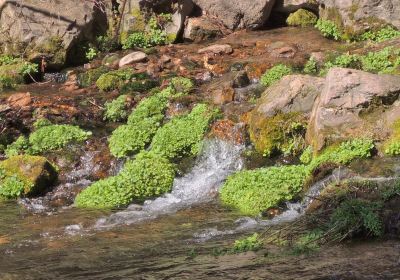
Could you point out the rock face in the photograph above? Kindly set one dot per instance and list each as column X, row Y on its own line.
column 360, row 15
column 292, row 94
column 48, row 28
column 353, row 103
column 132, row 58
column 202, row 28
column 237, row 14
column 290, row 6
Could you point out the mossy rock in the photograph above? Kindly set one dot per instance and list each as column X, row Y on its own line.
column 25, row 176
column 89, row 77
column 302, row 18
column 52, row 49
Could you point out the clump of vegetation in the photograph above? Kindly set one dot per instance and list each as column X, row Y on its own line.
column 181, row 84
column 355, row 215
column 329, row 29
column 250, row 243
column 183, row 135
column 47, row 138
column 392, row 145
column 17, row 180
column 116, row 109
column 146, row 176
column 125, row 80
column 253, row 191
column 89, row 77
column 283, row 133
column 307, row 155
column 275, row 74
column 302, row 18
column 307, row 242
column 153, row 36
column 311, row 67
column 91, row 53
column 343, row 60
column 383, row 34
column 14, row 71
column 142, row 124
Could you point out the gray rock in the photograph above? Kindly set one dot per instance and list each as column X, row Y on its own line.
column 217, row 49
column 353, row 104
column 202, row 28
column 290, row 6
column 131, row 58
column 237, row 14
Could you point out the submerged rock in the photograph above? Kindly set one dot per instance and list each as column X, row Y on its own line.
column 353, row 103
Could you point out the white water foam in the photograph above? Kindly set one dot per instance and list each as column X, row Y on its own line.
column 218, row 160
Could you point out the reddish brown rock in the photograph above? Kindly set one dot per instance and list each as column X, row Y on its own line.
column 21, row 99
column 230, row 131
column 217, row 49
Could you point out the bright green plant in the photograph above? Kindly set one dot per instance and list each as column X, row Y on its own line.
column 328, row 29
column 250, row 243
column 152, row 107
column 91, row 53
column 17, row 147
column 392, row 145
column 183, row 136
column 146, row 176
column 377, row 62
column 355, row 216
column 89, row 77
column 275, row 74
column 117, row 79
column 302, row 18
column 182, row 85
column 311, row 67
column 116, row 109
column 306, row 156
column 42, row 122
column 386, row 33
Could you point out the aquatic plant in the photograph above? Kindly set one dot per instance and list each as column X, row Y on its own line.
column 146, row 176
column 329, row 29
column 275, row 74
column 183, row 135
column 250, row 243
column 116, row 110
column 302, row 18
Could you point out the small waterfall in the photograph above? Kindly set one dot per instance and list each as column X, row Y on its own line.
column 217, row 160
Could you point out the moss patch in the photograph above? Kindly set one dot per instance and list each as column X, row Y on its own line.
column 89, row 77
column 302, row 18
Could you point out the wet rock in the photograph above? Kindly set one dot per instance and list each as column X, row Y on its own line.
column 131, row 58
column 34, row 172
column 229, row 131
column 250, row 92
column 284, row 52
column 293, row 93
column 21, row 99
column 352, row 104
column 49, row 28
column 318, row 57
column 111, row 60
column 201, row 29
column 223, row 95
column 204, row 77
column 241, row 79
column 217, row 49
column 362, row 15
column 237, row 14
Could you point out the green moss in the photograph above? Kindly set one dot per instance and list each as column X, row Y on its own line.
column 89, row 77
column 275, row 74
column 250, row 243
column 116, row 109
column 183, row 136
column 138, row 86
column 182, row 85
column 152, row 107
column 277, row 134
column 25, row 175
column 302, row 18
column 47, row 138
column 392, row 145
column 147, row 176
column 253, row 191
column 125, row 80
column 13, row 71
column 39, row 123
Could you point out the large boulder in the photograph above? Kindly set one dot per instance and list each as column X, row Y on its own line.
column 48, row 29
column 353, row 104
column 25, row 176
column 237, row 14
column 290, row 6
column 356, row 16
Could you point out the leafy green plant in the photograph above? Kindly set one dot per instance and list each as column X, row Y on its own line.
column 307, row 242
column 386, row 33
column 275, row 74
column 302, row 18
column 392, row 145
column 42, row 122
column 91, row 53
column 116, row 109
column 311, row 67
column 17, row 147
column 307, row 155
column 328, row 29
column 152, row 107
column 250, row 243
column 117, row 79
column 89, row 77
column 377, row 62
column 146, row 176
column 183, row 136
column 182, row 85
column 355, row 215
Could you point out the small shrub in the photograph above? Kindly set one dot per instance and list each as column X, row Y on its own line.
column 251, row 243
column 302, row 18
column 116, row 110
column 328, row 29
column 147, row 176
column 386, row 33
column 355, row 216
column 183, row 136
column 311, row 66
column 11, row 187
column 275, row 74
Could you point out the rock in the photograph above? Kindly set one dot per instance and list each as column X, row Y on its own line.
column 302, row 18
column 284, row 52
column 34, row 172
column 49, row 29
column 293, row 93
column 357, row 16
column 201, row 29
column 250, row 92
column 290, row 6
column 229, row 131
column 131, row 58
column 352, row 104
column 217, row 49
column 22, row 99
column 223, row 95
column 238, row 14
column 240, row 79
column 175, row 28
column 111, row 60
